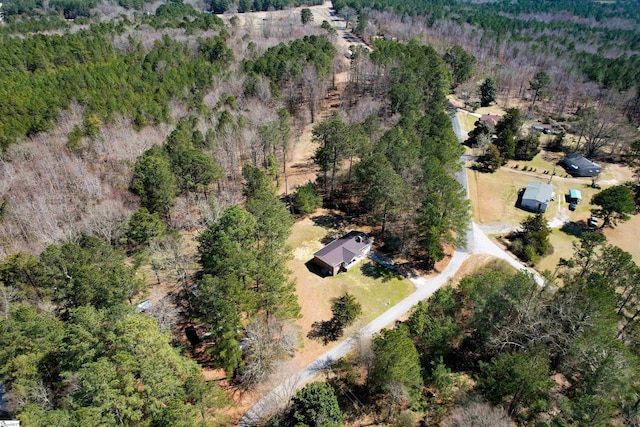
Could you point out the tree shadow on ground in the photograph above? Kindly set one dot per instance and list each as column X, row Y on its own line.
column 334, row 224
column 376, row 271
column 518, row 203
column 573, row 228
column 326, row 331
column 329, row 221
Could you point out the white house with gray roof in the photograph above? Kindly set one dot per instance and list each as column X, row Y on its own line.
column 537, row 196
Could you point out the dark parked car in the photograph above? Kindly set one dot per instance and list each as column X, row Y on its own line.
column 573, row 206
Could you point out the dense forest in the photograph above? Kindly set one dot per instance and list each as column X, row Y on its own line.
column 48, row 11
column 117, row 138
column 145, row 152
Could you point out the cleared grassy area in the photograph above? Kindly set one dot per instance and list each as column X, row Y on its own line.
column 467, row 121
column 626, row 236
column 562, row 248
column 541, row 162
column 492, row 109
column 373, row 287
column 493, row 195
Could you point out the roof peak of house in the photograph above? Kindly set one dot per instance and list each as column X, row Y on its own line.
column 335, row 252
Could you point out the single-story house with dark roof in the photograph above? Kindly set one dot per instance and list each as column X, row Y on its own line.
column 491, row 119
column 577, row 165
column 544, row 128
column 537, row 196
column 343, row 253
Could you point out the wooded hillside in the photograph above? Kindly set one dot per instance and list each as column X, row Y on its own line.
column 146, row 208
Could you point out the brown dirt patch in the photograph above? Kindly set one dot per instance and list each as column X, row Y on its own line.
column 625, row 236
column 300, row 166
column 471, row 265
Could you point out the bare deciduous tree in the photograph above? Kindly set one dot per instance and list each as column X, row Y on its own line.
column 597, row 128
column 171, row 253
column 268, row 341
column 477, row 414
column 7, row 296
column 166, row 313
column 106, row 219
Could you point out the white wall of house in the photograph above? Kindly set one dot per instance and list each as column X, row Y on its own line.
column 534, row 205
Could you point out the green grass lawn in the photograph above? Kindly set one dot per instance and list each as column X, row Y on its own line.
column 467, row 121
column 562, row 248
column 541, row 162
column 374, row 288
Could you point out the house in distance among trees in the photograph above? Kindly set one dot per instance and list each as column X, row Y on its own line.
column 491, row 119
column 343, row 253
column 537, row 196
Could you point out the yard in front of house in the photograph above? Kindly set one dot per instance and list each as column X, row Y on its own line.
column 493, row 195
column 373, row 287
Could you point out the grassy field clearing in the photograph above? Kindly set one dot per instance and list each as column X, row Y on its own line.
column 493, row 195
column 467, row 121
column 626, row 236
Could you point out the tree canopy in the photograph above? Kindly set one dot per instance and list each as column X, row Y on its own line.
column 615, row 204
column 316, row 404
column 90, row 272
column 460, row 62
column 245, row 253
column 101, row 366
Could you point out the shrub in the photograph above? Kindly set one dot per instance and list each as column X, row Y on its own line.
column 306, row 200
column 530, row 254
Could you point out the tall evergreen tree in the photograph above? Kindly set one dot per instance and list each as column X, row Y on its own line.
column 396, row 363
column 154, row 182
column 331, row 134
column 488, row 92
column 461, row 64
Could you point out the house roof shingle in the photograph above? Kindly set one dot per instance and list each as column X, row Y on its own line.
column 491, row 119
column 344, row 249
column 576, row 162
column 538, row 191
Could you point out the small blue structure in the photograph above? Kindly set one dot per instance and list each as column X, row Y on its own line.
column 575, row 195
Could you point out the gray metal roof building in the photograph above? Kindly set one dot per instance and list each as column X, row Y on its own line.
column 577, row 165
column 537, row 196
